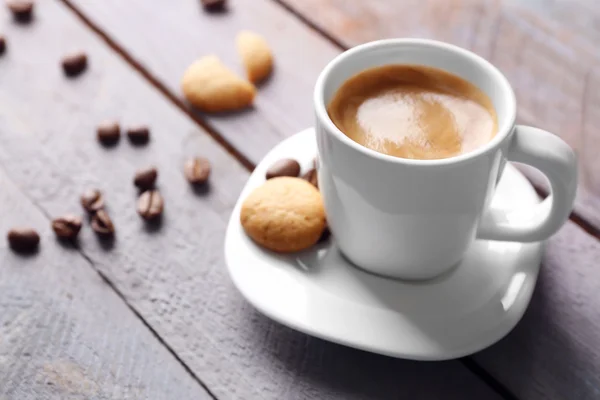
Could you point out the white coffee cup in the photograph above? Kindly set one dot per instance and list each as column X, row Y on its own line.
column 415, row 219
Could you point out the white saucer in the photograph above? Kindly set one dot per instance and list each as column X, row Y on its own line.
column 318, row 292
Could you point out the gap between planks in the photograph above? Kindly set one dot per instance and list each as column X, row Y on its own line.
column 487, row 378
column 249, row 165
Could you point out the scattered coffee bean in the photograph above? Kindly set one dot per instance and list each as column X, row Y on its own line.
column 284, row 167
column 102, row 224
column 150, row 204
column 213, row 5
column 22, row 10
column 312, row 177
column 67, row 227
column 23, row 240
column 325, row 235
column 145, row 178
column 92, row 200
column 2, row 44
column 139, row 134
column 108, row 132
column 74, row 64
column 197, row 170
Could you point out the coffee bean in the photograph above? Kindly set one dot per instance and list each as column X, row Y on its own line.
column 92, row 200
column 138, row 134
column 108, row 132
column 74, row 64
column 312, row 177
column 67, row 227
column 150, row 204
column 197, row 170
column 145, row 178
column 284, row 167
column 325, row 235
column 214, row 5
column 102, row 224
column 23, row 240
column 2, row 44
column 22, row 10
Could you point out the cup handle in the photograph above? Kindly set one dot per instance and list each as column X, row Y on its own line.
column 552, row 156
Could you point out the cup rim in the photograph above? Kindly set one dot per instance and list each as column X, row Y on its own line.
column 504, row 128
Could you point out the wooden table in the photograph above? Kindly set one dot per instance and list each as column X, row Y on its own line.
column 155, row 316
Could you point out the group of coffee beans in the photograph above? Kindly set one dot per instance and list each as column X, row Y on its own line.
column 92, row 201
column 73, row 64
column 150, row 207
column 150, row 202
column 109, row 133
column 291, row 167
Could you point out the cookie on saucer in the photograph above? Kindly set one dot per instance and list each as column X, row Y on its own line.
column 285, row 215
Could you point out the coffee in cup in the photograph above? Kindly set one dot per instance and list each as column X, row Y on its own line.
column 413, row 111
column 414, row 218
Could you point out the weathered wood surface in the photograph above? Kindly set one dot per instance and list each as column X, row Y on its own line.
column 549, row 66
column 172, row 274
column 547, row 49
column 168, row 36
column 542, row 75
column 64, row 333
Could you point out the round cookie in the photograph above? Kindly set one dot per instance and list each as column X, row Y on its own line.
column 285, row 214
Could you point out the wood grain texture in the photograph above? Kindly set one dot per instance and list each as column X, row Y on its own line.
column 545, row 48
column 550, row 69
column 64, row 333
column 173, row 273
column 166, row 37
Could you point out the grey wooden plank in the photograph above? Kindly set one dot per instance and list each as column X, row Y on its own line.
column 173, row 275
column 551, row 66
column 64, row 333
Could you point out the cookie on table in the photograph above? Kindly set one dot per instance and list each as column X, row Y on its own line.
column 285, row 214
column 256, row 55
column 212, row 87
